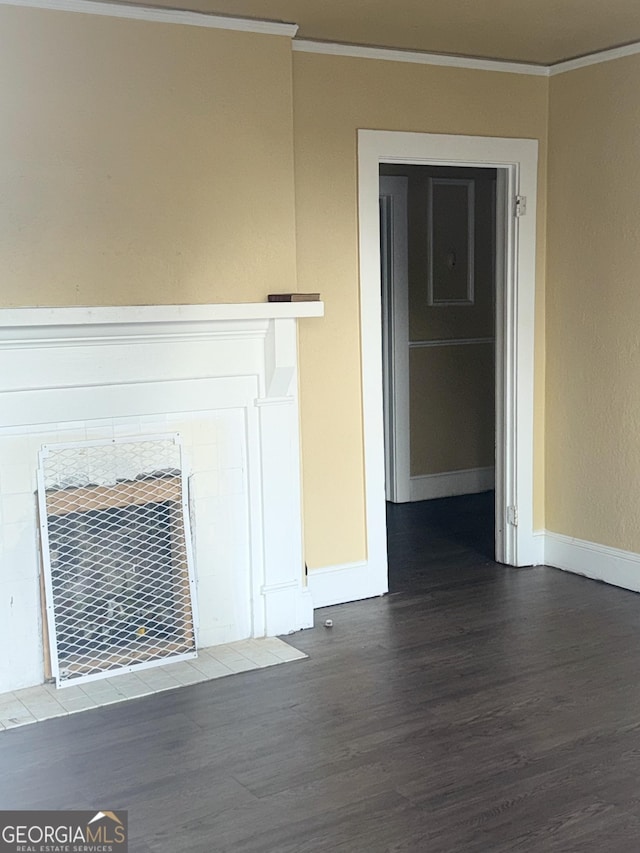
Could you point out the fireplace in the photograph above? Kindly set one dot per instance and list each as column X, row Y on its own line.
column 117, row 563
column 224, row 379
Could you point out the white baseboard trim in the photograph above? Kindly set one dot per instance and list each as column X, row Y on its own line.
column 451, row 483
column 355, row 581
column 537, row 547
column 600, row 562
column 348, row 582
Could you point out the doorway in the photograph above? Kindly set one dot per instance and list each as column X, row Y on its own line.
column 516, row 163
column 438, row 292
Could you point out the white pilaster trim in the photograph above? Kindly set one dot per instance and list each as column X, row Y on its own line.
column 418, row 57
column 600, row 562
column 161, row 16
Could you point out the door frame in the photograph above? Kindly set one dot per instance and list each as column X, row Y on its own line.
column 516, row 160
column 394, row 195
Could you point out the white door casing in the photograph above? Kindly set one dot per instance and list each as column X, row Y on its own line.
column 400, row 486
column 516, row 160
column 395, row 331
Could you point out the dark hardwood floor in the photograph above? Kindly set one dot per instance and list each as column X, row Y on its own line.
column 477, row 708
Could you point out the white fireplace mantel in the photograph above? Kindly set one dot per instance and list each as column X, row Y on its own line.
column 225, row 378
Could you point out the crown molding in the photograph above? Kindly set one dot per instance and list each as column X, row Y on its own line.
column 162, row 16
column 474, row 63
column 254, row 25
column 419, row 58
column 595, row 58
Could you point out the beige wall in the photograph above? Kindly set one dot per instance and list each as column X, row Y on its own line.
column 333, row 97
column 142, row 162
column 148, row 163
column 593, row 299
column 452, row 408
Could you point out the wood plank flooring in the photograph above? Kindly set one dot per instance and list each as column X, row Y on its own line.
column 476, row 708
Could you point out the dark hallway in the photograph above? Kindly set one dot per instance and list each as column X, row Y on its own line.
column 428, row 540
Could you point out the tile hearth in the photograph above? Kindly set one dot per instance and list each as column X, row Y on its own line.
column 34, row 704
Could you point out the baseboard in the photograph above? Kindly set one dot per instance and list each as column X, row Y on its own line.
column 600, row 562
column 348, row 582
column 451, row 483
column 537, row 547
column 355, row 581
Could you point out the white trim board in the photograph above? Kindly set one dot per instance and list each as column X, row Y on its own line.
column 470, row 62
column 418, row 57
column 160, row 15
column 448, row 484
column 594, row 59
column 342, row 583
column 518, row 159
column 351, row 582
column 599, row 562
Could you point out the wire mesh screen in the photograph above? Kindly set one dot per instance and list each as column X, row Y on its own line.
column 117, row 568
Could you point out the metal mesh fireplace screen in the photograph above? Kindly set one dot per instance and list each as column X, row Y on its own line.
column 116, row 556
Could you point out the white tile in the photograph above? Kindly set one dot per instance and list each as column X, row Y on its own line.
column 219, row 651
column 158, row 679
column 45, row 701
column 16, row 722
column 72, row 701
column 187, row 674
column 261, row 657
column 99, row 432
column 240, row 664
column 102, row 691
column 211, row 668
column 14, row 713
column 71, row 691
column 18, row 477
column 232, row 448
column 41, row 703
column 20, row 558
column 204, row 457
column 130, row 686
column 205, row 484
column 281, row 650
column 124, row 430
column 19, row 509
column 232, row 481
column 205, row 431
column 10, row 703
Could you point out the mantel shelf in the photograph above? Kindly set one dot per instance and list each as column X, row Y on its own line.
column 13, row 318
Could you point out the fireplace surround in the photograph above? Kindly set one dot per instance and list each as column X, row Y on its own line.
column 223, row 377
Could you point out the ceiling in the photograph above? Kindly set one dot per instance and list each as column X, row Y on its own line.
column 536, row 31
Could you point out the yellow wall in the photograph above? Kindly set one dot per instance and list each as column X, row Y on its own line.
column 142, row 162
column 152, row 163
column 593, row 301
column 333, row 97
